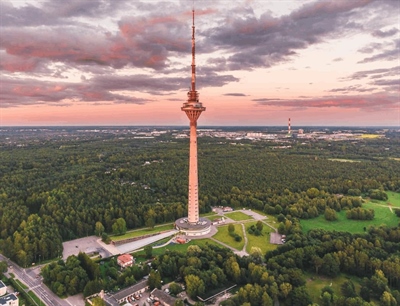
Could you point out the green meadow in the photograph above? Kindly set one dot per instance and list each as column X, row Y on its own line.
column 223, row 236
column 314, row 284
column 383, row 216
column 261, row 241
column 238, row 216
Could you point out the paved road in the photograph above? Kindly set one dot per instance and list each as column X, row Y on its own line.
column 29, row 278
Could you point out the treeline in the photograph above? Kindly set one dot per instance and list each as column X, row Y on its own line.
column 71, row 186
column 80, row 274
column 373, row 256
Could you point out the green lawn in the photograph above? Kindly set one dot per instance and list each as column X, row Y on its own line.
column 262, row 241
column 394, row 198
column 223, row 236
column 178, row 247
column 143, row 231
column 238, row 216
column 314, row 284
column 382, row 216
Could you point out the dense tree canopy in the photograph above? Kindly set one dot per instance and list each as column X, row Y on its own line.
column 61, row 189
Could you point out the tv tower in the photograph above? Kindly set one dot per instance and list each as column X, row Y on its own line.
column 289, row 127
column 193, row 109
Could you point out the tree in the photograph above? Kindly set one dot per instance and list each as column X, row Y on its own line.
column 98, row 301
column 150, row 222
column 179, row 303
column 3, row 267
column 119, row 226
column 260, row 226
column 99, row 229
column 387, row 299
column 330, row 265
column 330, row 214
column 231, row 228
column 285, row 289
column 348, row 289
column 148, row 250
column 154, row 280
column 175, row 288
column 194, row 285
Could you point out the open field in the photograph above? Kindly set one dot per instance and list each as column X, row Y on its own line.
column 315, row 283
column 383, row 215
column 394, row 198
column 238, row 216
column 179, row 247
column 371, row 136
column 344, row 160
column 259, row 241
column 144, row 231
column 223, row 236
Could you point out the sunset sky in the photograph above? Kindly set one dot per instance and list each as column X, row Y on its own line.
column 127, row 62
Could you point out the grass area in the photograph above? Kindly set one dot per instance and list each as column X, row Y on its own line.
column 315, row 283
column 209, row 214
column 394, row 198
column 370, row 136
column 35, row 298
column 344, row 160
column 382, row 216
column 143, row 231
column 261, row 241
column 223, row 236
column 178, row 247
column 238, row 216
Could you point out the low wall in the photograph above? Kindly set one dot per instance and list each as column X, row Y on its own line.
column 127, row 240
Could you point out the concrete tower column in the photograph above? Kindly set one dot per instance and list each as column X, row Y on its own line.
column 193, row 205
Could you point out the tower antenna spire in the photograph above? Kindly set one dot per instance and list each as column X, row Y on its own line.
column 193, row 55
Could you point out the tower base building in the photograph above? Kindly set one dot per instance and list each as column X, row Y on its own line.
column 201, row 228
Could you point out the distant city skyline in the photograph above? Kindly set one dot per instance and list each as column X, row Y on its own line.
column 98, row 62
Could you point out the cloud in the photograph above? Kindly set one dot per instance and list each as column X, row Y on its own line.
column 351, row 88
column 383, row 34
column 386, row 55
column 101, row 88
column 235, row 94
column 374, row 73
column 265, row 100
column 373, row 102
column 252, row 42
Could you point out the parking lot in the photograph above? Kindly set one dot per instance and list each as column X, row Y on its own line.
column 85, row 245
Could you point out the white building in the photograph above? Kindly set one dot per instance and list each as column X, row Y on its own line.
column 3, row 289
column 9, row 300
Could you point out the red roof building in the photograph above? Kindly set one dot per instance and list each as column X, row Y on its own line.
column 125, row 260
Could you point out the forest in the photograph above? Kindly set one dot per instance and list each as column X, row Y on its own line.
column 58, row 189
column 55, row 190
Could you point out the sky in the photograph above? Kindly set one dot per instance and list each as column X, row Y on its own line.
column 258, row 62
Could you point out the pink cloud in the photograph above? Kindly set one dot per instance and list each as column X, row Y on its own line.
column 373, row 102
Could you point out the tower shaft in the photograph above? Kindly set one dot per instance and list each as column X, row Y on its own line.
column 193, row 109
column 193, row 194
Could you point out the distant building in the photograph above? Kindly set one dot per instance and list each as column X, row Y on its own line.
column 227, row 209
column 3, row 289
column 162, row 297
column 125, row 260
column 9, row 300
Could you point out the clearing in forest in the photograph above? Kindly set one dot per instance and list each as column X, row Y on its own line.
column 223, row 236
column 261, row 241
column 238, row 216
column 383, row 216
